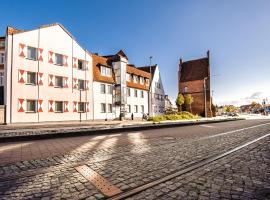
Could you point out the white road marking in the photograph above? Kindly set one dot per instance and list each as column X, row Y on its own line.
column 242, row 129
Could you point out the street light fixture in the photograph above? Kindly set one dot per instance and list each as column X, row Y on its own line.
column 204, row 87
column 150, row 85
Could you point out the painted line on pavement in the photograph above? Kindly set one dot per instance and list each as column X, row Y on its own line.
column 234, row 131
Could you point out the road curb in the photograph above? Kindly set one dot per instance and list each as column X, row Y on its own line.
column 74, row 133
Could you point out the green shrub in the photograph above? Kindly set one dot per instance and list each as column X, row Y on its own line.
column 179, row 116
column 157, row 118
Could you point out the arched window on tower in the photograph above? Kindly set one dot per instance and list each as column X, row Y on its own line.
column 186, row 89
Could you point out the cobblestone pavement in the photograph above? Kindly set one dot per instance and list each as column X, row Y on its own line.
column 130, row 160
column 243, row 175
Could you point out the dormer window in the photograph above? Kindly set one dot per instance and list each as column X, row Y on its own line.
column 135, row 79
column 142, row 80
column 2, row 43
column 106, row 71
column 2, row 58
column 147, row 81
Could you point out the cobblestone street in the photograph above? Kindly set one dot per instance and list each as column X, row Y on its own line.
column 46, row 168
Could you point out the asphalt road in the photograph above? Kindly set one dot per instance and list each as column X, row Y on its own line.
column 133, row 162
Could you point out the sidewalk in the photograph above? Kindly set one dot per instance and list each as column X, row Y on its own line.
column 15, row 132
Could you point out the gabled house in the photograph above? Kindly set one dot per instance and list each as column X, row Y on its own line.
column 120, row 89
column 47, row 76
column 156, row 91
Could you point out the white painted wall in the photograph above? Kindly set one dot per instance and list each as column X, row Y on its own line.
column 102, row 98
column 158, row 106
column 132, row 100
column 55, row 39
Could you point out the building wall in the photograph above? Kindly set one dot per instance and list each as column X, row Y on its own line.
column 56, row 40
column 108, row 99
column 139, row 101
column 196, row 89
column 158, row 94
column 102, row 98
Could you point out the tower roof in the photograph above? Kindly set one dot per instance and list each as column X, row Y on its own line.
column 194, row 69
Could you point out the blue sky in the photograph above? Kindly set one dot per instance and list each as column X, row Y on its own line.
column 237, row 32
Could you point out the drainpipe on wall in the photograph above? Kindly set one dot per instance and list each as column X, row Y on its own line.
column 11, row 71
column 38, row 71
column 85, row 84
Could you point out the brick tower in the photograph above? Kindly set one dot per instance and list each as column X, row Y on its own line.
column 194, row 78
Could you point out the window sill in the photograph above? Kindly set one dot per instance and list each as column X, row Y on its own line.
column 33, row 84
column 58, row 111
column 59, row 64
column 33, row 59
column 30, row 111
column 58, row 87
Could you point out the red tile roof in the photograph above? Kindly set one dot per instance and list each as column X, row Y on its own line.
column 131, row 69
column 97, row 62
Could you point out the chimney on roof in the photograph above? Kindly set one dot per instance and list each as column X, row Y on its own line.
column 181, row 61
column 208, row 54
column 96, row 54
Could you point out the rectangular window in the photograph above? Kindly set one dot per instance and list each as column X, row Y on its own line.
column 147, row 81
column 81, row 65
column 59, row 106
column 81, row 107
column 141, row 80
column 142, row 94
column 59, row 59
column 102, row 89
column 103, row 71
column 31, row 78
column 2, row 43
column 31, row 106
column 2, row 58
column 135, row 79
column 32, row 53
column 109, row 72
column 1, row 78
column 129, row 108
column 103, row 107
column 81, row 84
column 109, row 88
column 128, row 92
column 136, row 109
column 109, row 108
column 135, row 93
column 142, row 109
column 59, row 81
column 106, row 71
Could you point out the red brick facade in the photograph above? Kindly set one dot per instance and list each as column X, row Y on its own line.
column 191, row 81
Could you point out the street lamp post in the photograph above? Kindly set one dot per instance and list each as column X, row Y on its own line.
column 205, row 103
column 150, row 85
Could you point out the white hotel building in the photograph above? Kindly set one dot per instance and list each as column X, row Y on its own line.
column 45, row 75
